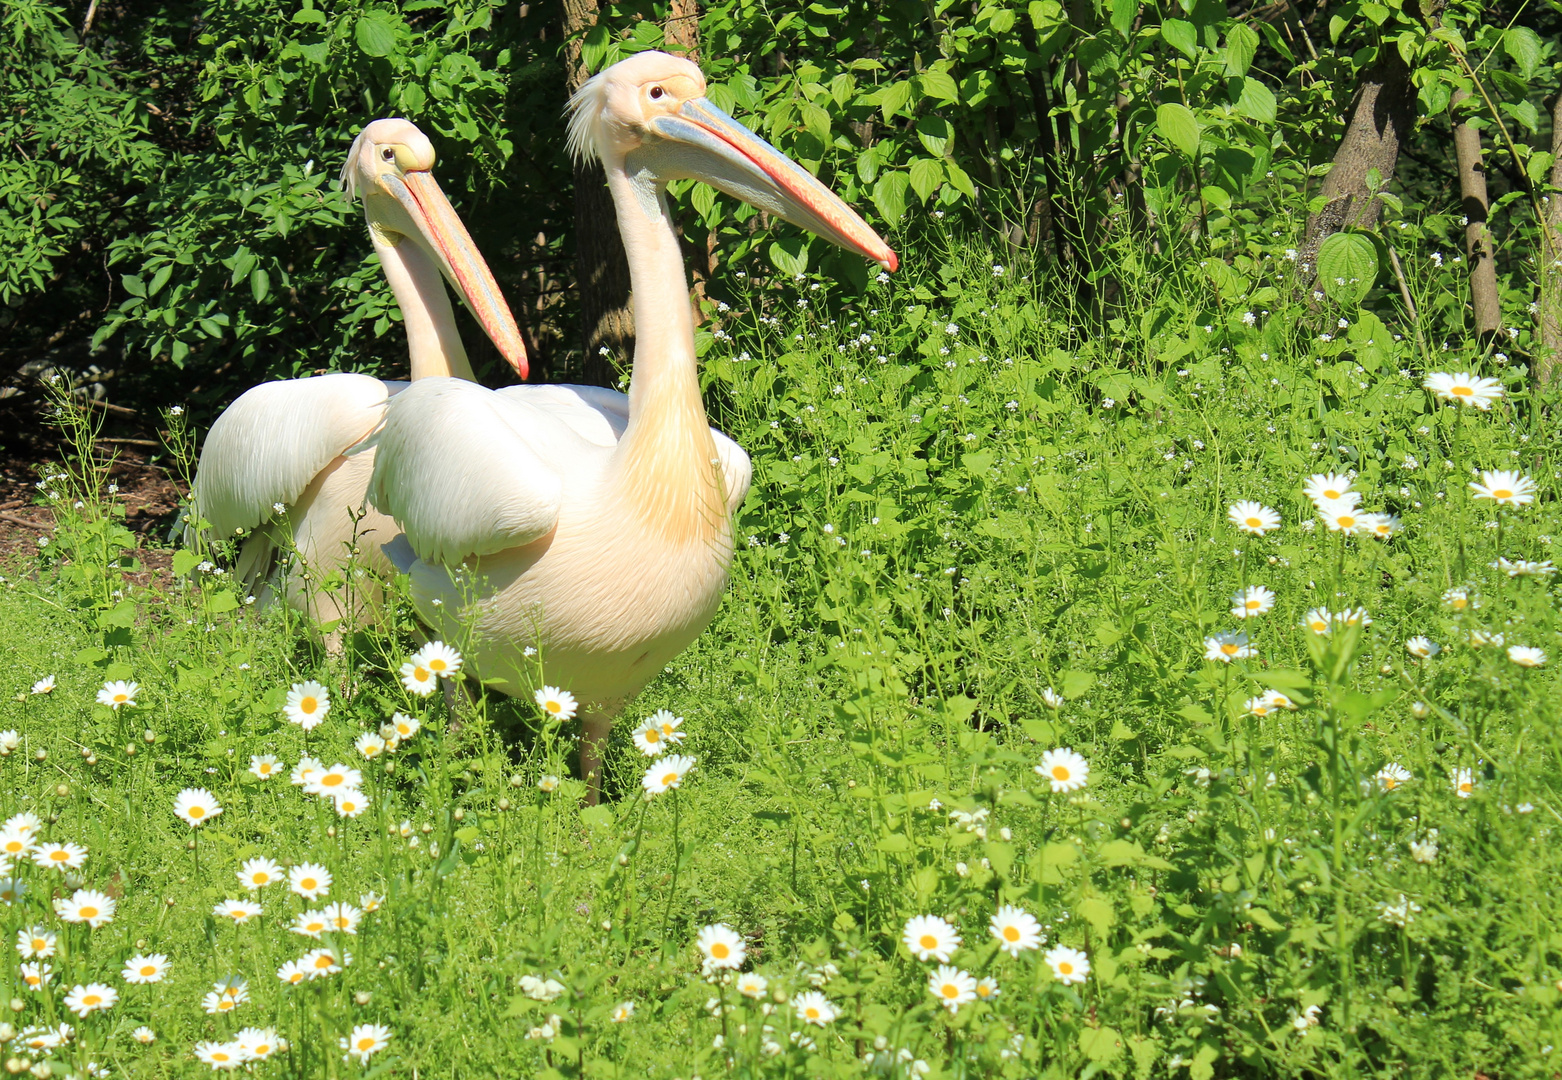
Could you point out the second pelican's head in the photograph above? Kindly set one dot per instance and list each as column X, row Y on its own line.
column 389, row 167
column 649, row 116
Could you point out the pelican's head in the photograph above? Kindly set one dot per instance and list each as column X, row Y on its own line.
column 649, row 116
column 389, row 167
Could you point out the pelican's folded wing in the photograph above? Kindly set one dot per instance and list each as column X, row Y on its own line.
column 595, row 413
column 464, row 471
column 270, row 444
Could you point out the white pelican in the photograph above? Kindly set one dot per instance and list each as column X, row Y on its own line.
column 593, row 527
column 278, row 464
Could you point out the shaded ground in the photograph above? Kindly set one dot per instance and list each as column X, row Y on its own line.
column 149, row 494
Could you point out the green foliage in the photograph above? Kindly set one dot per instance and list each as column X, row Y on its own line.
column 976, row 534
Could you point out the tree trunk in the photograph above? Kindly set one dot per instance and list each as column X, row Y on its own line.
column 1059, row 222
column 607, row 327
column 1381, row 117
column 1477, row 237
column 1550, row 359
column 682, row 29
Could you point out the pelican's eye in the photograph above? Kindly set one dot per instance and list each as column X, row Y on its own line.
column 389, row 154
column 656, row 92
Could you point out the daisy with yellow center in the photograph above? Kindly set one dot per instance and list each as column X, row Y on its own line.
column 350, row 803
column 264, row 766
column 36, row 976
column 216, row 1004
column 557, row 704
column 814, row 1008
column 1016, row 930
column 1251, row 601
column 366, row 1039
column 1330, row 487
column 1505, row 488
column 60, row 856
column 258, row 873
column 439, row 658
column 1392, row 776
column 15, row 844
column 1318, row 620
column 342, row 918
column 144, row 1035
column 86, row 906
column 309, row 880
column 1459, row 600
column 1069, row 965
column 338, row 777
column 292, row 973
column 648, row 737
column 1276, row 700
column 1526, row 655
column 35, row 941
column 228, row 1055
column 306, row 769
column 1422, row 647
column 406, row 726
column 672, row 726
column 930, row 937
column 752, row 985
column 1065, row 770
column 1258, row 707
column 1252, row 517
column 666, row 773
column 311, row 924
column 117, row 695
column 721, row 947
column 323, row 962
column 418, row 679
column 145, row 969
column 1464, row 783
column 196, row 806
column 91, row 998
column 986, row 988
column 1342, row 517
column 240, row 911
column 622, row 1012
column 369, row 745
column 258, row 1044
column 1228, row 646
column 1464, row 388
column 951, row 987
column 307, row 704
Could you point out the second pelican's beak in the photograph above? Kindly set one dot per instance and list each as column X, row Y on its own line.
column 446, row 238
column 702, row 142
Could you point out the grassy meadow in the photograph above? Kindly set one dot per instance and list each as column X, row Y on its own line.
column 986, row 527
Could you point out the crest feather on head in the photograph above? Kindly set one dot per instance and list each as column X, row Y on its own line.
column 585, row 110
column 349, row 175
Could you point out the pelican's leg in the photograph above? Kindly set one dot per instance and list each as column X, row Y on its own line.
column 595, row 724
column 460, row 701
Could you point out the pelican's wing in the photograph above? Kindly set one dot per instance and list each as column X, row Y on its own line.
column 270, row 444
column 736, row 470
column 465, row 470
column 595, row 413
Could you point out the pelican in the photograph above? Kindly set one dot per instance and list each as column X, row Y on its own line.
column 279, row 465
column 588, row 527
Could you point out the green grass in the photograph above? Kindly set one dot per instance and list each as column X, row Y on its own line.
column 966, row 492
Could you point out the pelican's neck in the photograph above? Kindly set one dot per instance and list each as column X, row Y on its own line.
column 432, row 341
column 666, row 459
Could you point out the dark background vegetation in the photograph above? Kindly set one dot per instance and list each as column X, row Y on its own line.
column 170, row 224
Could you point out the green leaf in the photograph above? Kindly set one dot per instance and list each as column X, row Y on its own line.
column 133, row 284
column 1179, row 127
column 1098, row 913
column 926, row 174
column 1241, row 47
column 1102, row 1044
column 894, row 844
column 1257, row 102
column 938, row 84
column 309, row 15
column 185, row 561
column 959, row 180
column 892, row 98
column 160, row 279
column 1123, row 14
column 413, row 98
column 1525, row 113
column 220, row 602
column 935, row 133
column 1347, row 267
column 789, row 256
column 1525, row 47
column 597, row 817
column 376, row 33
column 1202, row 1067
column 889, row 195
column 816, row 122
column 259, row 284
column 1538, row 165
column 1182, row 36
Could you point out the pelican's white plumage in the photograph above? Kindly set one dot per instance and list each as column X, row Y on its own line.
column 287, row 463
column 573, row 534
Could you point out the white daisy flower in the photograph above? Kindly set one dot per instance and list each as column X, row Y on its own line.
column 60, row 856
column 672, row 726
column 1330, row 487
column 1318, row 620
column 36, row 976
column 307, row 704
column 264, row 766
column 223, row 1057
column 240, row 911
column 558, row 704
column 647, row 735
column 418, row 679
column 91, row 998
column 337, row 778
column 116, row 695
column 1392, row 775
column 1252, row 517
column 1228, row 646
column 1064, row 770
column 951, row 986
column 144, row 1035
column 342, row 918
column 366, row 1039
column 721, row 947
column 194, row 806
column 309, row 880
column 258, row 1044
column 44, row 685
column 439, row 658
column 258, row 873
column 1464, row 782
column 1069, row 965
column 10, row 741
column 1505, row 488
column 1464, row 388
column 369, row 745
column 293, row 972
column 350, row 803
column 1254, row 600
column 310, row 924
column 1342, row 517
column 16, row 843
column 141, row 969
column 1422, row 646
column 35, row 942
column 666, row 773
column 813, row 1007
column 306, row 770
column 1522, row 655
column 752, row 985
column 86, row 906
column 1276, row 700
column 1382, row 526
column 622, row 1012
column 322, row 962
column 1016, row 930
column 406, row 726
column 1459, row 599
column 1052, row 699
column 930, row 937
